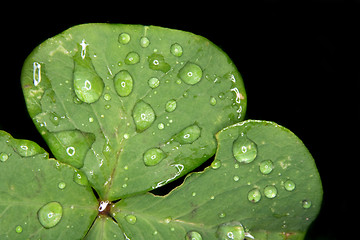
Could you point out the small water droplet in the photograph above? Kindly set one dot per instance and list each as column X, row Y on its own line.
column 270, row 191
column 130, row 219
column 170, row 106
column 153, row 82
column 212, row 101
column 3, row 157
column 193, row 235
column 91, row 119
column 216, row 164
column 132, row 58
column 124, row 38
column 244, row 150
column 18, row 229
column 50, row 214
column 153, row 156
column 167, row 220
column 221, row 96
column 289, row 185
column 222, row 215
column 236, row 178
column 123, row 83
column 188, row 135
column 231, row 230
column 191, row 73
column 144, row 42
column 107, row 96
column 266, row 167
column 80, row 178
column 157, row 62
column 143, row 116
column 254, row 195
column 61, row 185
column 306, row 204
column 161, row 126
column 176, row 50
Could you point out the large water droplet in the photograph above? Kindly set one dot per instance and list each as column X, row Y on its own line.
column 232, row 230
column 188, row 135
column 80, row 178
column 88, row 85
column 130, row 219
column 144, row 42
column 289, row 185
column 191, row 73
column 157, row 62
column 153, row 156
column 266, row 167
column 244, row 150
column 270, row 191
column 176, row 50
column 3, row 157
column 143, row 116
column 254, row 195
column 123, row 83
column 132, row 58
column 193, row 235
column 50, row 214
column 170, row 106
column 124, row 38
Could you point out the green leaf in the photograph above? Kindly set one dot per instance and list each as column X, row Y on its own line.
column 38, row 197
column 134, row 107
column 262, row 184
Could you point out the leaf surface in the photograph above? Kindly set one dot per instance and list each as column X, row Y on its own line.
column 271, row 190
column 134, row 107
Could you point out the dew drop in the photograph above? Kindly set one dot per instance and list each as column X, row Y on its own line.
column 153, row 156
column 124, row 38
column 50, row 214
column 216, row 164
column 80, row 178
column 231, row 230
column 244, row 150
column 236, row 178
column 161, row 126
column 266, row 167
column 153, row 82
column 107, row 96
column 254, row 195
column 289, row 185
column 157, row 62
column 123, row 83
column 176, row 50
column 270, row 191
column 130, row 219
column 170, row 106
column 18, row 229
column 188, row 135
column 144, row 42
column 306, row 204
column 212, row 101
column 193, row 235
column 61, row 185
column 143, row 116
column 3, row 157
column 132, row 58
column 191, row 73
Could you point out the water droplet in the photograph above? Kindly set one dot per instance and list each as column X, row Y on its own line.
column 289, row 185
column 157, row 62
column 124, row 38
column 88, row 85
column 153, row 156
column 167, row 220
column 244, row 150
column 306, row 204
column 143, row 116
column 222, row 215
column 193, row 235
column 130, row 219
column 18, row 229
column 188, row 135
column 170, row 105
column 212, row 101
column 266, row 167
column 3, row 157
column 153, row 82
column 254, row 195
column 123, row 83
column 107, row 96
column 236, row 178
column 132, row 58
column 50, row 214
column 176, row 50
column 61, row 185
column 270, row 191
column 36, row 73
column 232, row 230
column 144, row 42
column 161, row 126
column 80, row 178
column 191, row 73
column 216, row 164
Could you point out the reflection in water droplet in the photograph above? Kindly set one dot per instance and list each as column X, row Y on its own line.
column 191, row 73
column 193, row 235
column 254, row 195
column 170, row 105
column 157, row 62
column 124, row 38
column 188, row 135
column 3, row 157
column 270, row 191
column 231, row 230
column 244, row 150
column 153, row 82
column 123, row 83
column 216, row 164
column 18, row 229
column 153, row 156
column 306, row 204
column 80, row 178
column 50, row 214
column 132, row 58
column 144, row 42
column 143, row 116
column 176, row 50
column 130, row 219
column 266, row 167
column 289, row 185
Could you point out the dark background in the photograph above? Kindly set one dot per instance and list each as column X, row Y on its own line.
column 298, row 61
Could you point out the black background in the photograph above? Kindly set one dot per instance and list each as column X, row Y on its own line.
column 298, row 62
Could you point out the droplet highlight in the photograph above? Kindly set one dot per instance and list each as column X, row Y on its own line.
column 123, row 83
column 143, row 116
column 153, row 156
column 232, row 230
column 244, row 150
column 270, row 191
column 50, row 214
column 191, row 73
column 188, row 135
